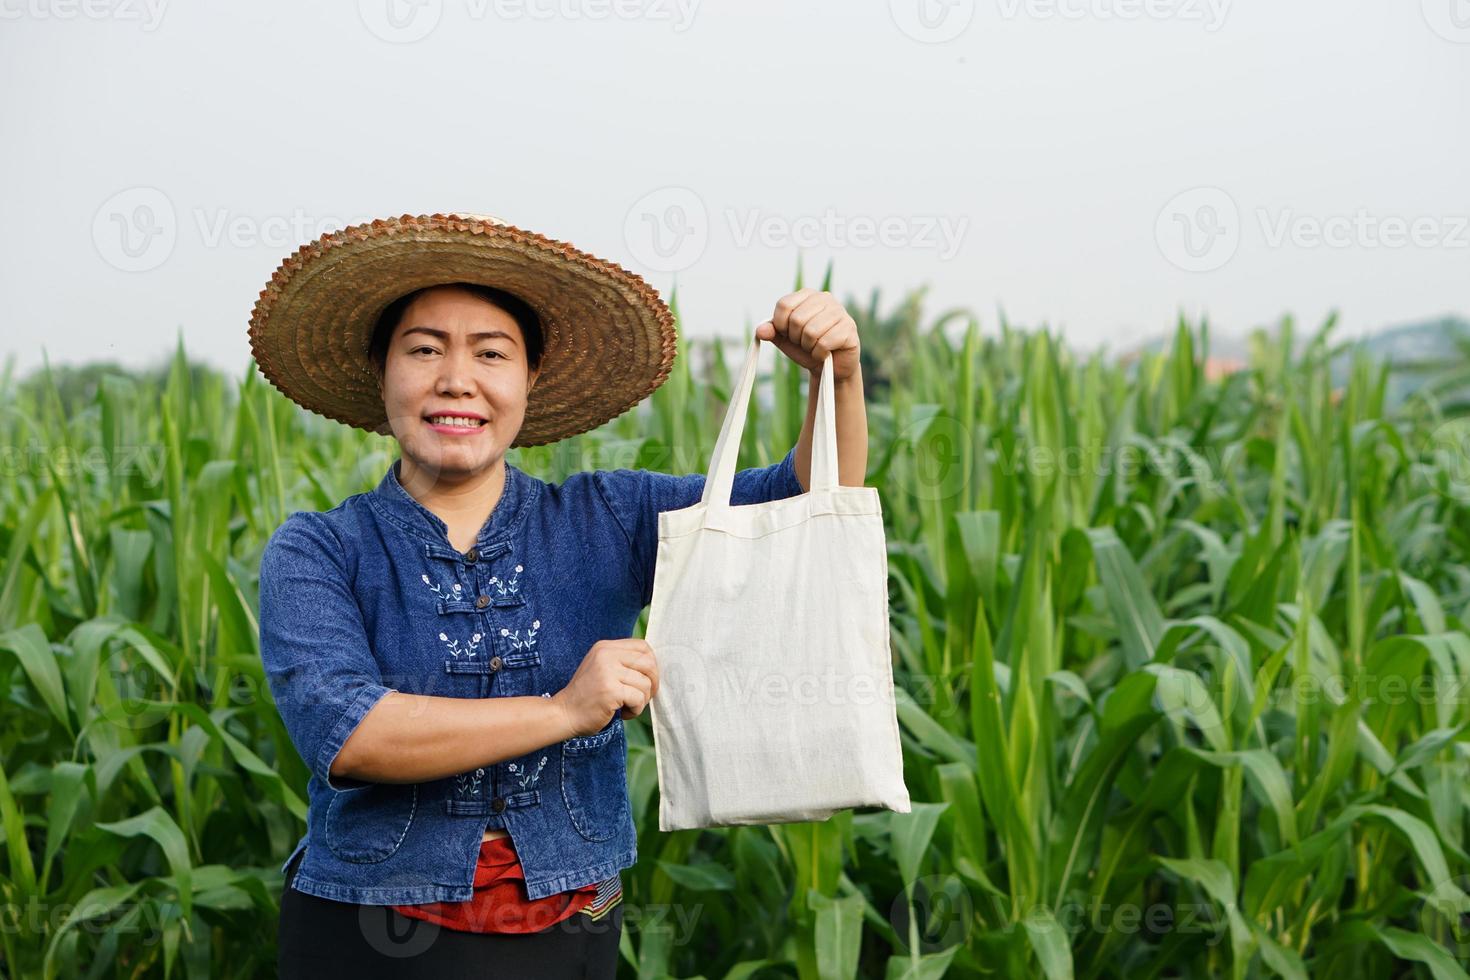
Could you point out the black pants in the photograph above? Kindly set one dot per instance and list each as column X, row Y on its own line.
column 319, row 938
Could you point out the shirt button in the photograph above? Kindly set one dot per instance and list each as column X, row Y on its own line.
column 472, row 556
column 482, row 602
column 498, row 804
column 495, row 663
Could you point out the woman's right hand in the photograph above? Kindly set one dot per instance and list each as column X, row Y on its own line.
column 614, row 676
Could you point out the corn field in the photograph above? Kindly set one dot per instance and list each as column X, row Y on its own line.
column 1182, row 669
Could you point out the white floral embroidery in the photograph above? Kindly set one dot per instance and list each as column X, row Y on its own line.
column 519, row 643
column 505, row 588
column 456, row 651
column 455, row 590
column 519, row 772
column 468, row 784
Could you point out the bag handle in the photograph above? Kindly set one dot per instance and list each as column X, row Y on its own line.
column 720, row 480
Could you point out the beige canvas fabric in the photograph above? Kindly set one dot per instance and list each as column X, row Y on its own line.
column 770, row 624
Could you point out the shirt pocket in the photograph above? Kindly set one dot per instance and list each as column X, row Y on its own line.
column 594, row 781
column 367, row 824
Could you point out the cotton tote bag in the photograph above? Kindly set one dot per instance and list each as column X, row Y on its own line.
column 770, row 625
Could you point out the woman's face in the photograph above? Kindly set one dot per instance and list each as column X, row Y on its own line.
column 454, row 352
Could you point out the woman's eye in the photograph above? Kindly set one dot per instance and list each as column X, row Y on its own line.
column 430, row 350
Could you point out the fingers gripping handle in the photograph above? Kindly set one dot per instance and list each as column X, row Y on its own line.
column 720, row 478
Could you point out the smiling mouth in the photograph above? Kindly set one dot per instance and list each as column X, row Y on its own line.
column 455, row 422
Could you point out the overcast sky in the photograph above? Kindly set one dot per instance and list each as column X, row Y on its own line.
column 1095, row 165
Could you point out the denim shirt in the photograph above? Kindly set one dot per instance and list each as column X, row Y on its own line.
column 370, row 597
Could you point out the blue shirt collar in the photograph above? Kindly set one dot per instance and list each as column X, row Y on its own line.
column 404, row 509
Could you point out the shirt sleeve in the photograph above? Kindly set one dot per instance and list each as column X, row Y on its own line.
column 318, row 661
column 637, row 497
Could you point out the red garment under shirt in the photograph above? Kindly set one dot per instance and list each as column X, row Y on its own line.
column 499, row 903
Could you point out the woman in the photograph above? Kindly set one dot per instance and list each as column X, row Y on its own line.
column 450, row 652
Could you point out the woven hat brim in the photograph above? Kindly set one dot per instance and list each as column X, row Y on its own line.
column 609, row 339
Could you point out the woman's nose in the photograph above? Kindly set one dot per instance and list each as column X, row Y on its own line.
column 455, row 374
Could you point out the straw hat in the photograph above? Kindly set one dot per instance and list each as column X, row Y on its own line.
column 608, row 338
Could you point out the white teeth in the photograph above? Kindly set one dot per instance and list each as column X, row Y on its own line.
column 455, row 420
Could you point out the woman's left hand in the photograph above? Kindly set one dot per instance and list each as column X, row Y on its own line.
column 808, row 326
